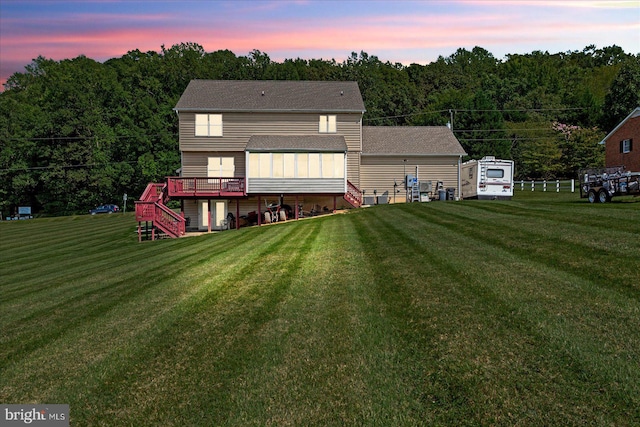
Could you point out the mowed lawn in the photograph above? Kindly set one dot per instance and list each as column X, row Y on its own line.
column 524, row 312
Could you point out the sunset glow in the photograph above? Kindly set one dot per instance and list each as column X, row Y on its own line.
column 395, row 31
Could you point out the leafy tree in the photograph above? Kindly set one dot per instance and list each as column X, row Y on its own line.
column 580, row 148
column 539, row 159
column 77, row 132
column 624, row 95
column 480, row 129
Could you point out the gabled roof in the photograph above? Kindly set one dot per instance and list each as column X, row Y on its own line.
column 271, row 95
column 634, row 113
column 297, row 143
column 409, row 141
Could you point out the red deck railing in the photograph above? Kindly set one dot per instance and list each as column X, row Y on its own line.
column 206, row 187
column 353, row 195
column 151, row 207
column 153, row 192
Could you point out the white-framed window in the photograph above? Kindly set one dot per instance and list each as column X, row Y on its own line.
column 296, row 165
column 314, row 165
column 302, row 166
column 254, row 165
column 626, row 145
column 265, row 165
column 208, row 124
column 327, row 124
column 289, row 160
column 277, row 160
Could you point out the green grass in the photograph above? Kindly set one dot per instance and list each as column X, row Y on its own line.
column 524, row 312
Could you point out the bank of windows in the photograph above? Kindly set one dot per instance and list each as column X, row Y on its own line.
column 208, row 124
column 327, row 124
column 296, row 165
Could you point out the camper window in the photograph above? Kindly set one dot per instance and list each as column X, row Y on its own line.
column 495, row 173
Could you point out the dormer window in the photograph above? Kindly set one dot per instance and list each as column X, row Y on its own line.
column 327, row 124
column 208, row 124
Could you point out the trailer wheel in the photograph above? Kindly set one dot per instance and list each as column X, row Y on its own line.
column 592, row 196
column 603, row 196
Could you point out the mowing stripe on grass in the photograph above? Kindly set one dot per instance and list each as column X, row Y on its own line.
column 421, row 314
column 456, row 262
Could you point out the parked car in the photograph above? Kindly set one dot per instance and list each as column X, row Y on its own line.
column 108, row 209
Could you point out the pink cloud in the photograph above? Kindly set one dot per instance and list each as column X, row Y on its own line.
column 587, row 4
column 504, row 26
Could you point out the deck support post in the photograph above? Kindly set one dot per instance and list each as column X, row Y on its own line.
column 295, row 208
column 335, row 205
column 209, row 213
column 237, row 214
column 259, row 213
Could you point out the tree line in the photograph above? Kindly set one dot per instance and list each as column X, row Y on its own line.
column 76, row 133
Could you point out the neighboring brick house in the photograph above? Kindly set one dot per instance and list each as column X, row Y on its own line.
column 245, row 145
column 622, row 144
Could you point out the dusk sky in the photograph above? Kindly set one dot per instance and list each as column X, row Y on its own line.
column 397, row 31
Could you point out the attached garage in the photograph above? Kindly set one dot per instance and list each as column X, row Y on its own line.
column 431, row 153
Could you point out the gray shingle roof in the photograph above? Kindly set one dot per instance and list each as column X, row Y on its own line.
column 271, row 95
column 409, row 140
column 297, row 143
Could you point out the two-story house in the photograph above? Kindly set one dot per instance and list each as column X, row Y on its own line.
column 249, row 146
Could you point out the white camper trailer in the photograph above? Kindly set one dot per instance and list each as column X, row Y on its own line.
column 487, row 178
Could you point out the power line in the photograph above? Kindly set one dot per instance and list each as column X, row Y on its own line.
column 455, row 110
column 80, row 138
column 524, row 110
column 506, row 130
column 506, row 138
column 86, row 165
column 406, row 115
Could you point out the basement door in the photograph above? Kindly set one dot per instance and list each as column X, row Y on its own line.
column 218, row 214
column 217, row 167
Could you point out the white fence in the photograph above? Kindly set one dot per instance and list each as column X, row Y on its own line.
column 557, row 185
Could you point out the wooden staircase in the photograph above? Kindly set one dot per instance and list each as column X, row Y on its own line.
column 353, row 195
column 152, row 207
column 166, row 223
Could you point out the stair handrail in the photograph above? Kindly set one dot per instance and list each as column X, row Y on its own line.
column 354, row 193
column 169, row 221
column 152, row 207
column 153, row 192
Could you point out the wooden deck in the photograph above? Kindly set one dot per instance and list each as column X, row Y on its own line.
column 197, row 187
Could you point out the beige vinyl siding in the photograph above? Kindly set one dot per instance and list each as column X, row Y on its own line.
column 239, row 127
column 291, row 186
column 191, row 212
column 379, row 172
column 194, row 164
